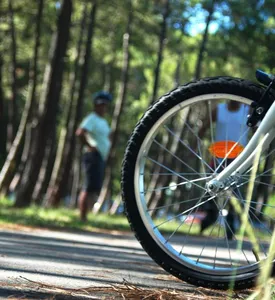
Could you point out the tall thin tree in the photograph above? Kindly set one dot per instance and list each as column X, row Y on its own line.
column 2, row 117
column 59, row 181
column 12, row 104
column 46, row 169
column 7, row 171
column 162, row 36
column 120, row 102
column 48, row 106
column 202, row 49
column 165, row 139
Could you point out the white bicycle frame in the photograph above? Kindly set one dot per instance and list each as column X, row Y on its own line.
column 259, row 142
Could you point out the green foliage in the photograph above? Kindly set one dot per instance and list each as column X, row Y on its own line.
column 241, row 39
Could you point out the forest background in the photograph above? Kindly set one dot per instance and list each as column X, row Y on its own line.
column 54, row 55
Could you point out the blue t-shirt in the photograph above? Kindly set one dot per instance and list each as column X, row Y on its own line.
column 98, row 132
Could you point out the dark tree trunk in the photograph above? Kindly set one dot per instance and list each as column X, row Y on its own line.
column 3, row 131
column 12, row 104
column 162, row 37
column 173, row 145
column 59, row 183
column 48, row 107
column 180, row 53
column 46, row 170
column 53, row 189
column 7, row 171
column 178, row 68
column 204, row 40
column 109, row 79
column 26, row 150
column 118, row 110
column 156, row 180
column 79, row 51
column 76, row 177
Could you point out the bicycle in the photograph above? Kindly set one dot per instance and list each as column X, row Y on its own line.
column 168, row 177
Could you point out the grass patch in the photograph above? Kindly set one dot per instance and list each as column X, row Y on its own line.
column 59, row 218
column 64, row 218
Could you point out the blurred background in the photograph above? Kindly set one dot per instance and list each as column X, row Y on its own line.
column 55, row 54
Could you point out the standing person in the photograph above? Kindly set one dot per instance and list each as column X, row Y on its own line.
column 94, row 134
column 230, row 121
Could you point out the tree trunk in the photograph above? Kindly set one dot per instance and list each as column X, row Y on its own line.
column 60, row 180
column 109, row 80
column 79, row 53
column 2, row 118
column 76, row 177
column 26, row 149
column 117, row 111
column 173, row 145
column 162, row 37
column 167, row 143
column 46, row 170
column 53, row 189
column 48, row 106
column 12, row 104
column 204, row 40
column 7, row 171
column 178, row 68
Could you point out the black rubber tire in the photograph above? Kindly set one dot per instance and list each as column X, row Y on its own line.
column 225, row 85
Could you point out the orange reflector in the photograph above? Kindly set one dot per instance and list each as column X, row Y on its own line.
column 221, row 148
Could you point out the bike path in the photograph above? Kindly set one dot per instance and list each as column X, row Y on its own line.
column 37, row 264
column 39, row 259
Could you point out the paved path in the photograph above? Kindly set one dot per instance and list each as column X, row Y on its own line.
column 43, row 264
column 31, row 261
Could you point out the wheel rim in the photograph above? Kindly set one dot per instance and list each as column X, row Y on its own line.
column 213, row 253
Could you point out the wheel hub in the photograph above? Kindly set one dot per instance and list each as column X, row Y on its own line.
column 215, row 186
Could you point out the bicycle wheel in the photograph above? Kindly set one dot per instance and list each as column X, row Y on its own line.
column 170, row 157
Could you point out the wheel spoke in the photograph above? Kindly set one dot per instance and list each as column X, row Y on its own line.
column 173, row 166
column 251, row 222
column 183, row 174
column 184, row 144
column 180, row 160
column 182, row 222
column 261, row 159
column 265, row 215
column 188, row 233
column 175, row 173
column 264, row 183
column 173, row 204
column 199, row 143
column 177, row 185
column 205, row 243
column 255, row 177
column 183, row 213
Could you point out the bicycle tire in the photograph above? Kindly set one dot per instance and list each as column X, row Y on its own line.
column 215, row 85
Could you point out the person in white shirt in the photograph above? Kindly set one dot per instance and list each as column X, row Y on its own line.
column 94, row 133
column 230, row 121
